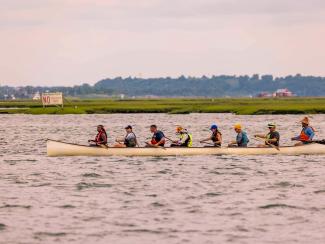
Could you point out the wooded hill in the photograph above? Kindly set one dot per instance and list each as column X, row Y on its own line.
column 215, row 86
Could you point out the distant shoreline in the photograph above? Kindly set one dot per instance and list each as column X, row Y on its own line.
column 240, row 106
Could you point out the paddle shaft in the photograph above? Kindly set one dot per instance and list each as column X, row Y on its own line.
column 267, row 143
column 316, row 141
column 169, row 139
column 208, row 143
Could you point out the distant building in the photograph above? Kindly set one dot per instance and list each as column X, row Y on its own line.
column 37, row 96
column 283, row 93
column 279, row 93
column 264, row 94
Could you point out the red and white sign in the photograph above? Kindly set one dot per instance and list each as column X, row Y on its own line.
column 52, row 99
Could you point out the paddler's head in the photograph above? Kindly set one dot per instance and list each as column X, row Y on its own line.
column 100, row 128
column 179, row 129
column 271, row 126
column 238, row 127
column 214, row 128
column 153, row 128
column 128, row 129
column 305, row 122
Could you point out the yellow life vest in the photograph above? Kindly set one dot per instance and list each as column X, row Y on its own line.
column 187, row 139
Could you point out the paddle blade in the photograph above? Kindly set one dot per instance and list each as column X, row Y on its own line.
column 320, row 142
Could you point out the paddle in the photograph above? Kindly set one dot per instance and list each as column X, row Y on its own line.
column 267, row 143
column 169, row 139
column 315, row 141
column 208, row 143
column 319, row 142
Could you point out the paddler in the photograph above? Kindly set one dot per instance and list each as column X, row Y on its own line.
column 271, row 138
column 307, row 133
column 130, row 139
column 158, row 137
column 101, row 137
column 216, row 136
column 241, row 138
column 185, row 138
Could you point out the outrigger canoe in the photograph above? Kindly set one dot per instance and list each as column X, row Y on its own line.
column 58, row 149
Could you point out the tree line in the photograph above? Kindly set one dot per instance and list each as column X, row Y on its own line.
column 215, row 86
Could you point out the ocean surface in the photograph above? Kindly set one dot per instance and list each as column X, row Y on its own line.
column 210, row 199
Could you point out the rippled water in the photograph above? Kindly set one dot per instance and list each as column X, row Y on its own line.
column 212, row 199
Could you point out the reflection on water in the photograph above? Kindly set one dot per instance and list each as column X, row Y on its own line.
column 211, row 199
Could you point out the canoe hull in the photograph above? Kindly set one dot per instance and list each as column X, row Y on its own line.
column 58, row 149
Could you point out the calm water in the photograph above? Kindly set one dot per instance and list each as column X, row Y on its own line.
column 212, row 199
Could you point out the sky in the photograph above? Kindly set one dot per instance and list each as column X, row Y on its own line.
column 70, row 42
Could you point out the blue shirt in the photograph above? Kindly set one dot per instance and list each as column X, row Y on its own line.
column 242, row 139
column 158, row 136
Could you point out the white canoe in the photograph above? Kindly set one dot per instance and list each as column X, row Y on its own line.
column 57, row 149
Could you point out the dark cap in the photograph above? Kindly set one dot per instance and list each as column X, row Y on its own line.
column 128, row 127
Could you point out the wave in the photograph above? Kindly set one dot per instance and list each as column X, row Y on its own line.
column 15, row 206
column 279, row 205
column 83, row 185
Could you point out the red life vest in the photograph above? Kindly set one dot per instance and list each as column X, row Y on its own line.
column 98, row 138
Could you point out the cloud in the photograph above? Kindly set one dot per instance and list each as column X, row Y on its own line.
column 73, row 41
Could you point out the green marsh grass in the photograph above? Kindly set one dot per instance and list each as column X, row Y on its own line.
column 244, row 106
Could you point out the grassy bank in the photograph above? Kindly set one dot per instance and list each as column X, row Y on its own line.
column 174, row 106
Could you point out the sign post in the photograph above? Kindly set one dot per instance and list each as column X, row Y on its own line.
column 49, row 99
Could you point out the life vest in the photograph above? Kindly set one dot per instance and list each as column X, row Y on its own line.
column 214, row 137
column 130, row 142
column 98, row 138
column 189, row 140
column 304, row 136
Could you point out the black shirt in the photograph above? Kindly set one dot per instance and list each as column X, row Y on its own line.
column 274, row 135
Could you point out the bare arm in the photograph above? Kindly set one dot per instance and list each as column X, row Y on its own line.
column 207, row 139
column 232, row 143
column 119, row 140
column 162, row 141
column 260, row 136
column 272, row 140
column 136, row 141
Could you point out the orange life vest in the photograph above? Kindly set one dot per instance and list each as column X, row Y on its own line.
column 304, row 136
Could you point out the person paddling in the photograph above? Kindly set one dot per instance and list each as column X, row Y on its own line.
column 272, row 138
column 241, row 138
column 185, row 138
column 216, row 136
column 158, row 137
column 101, row 137
column 130, row 140
column 307, row 133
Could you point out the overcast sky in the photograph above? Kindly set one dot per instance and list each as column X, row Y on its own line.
column 68, row 42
